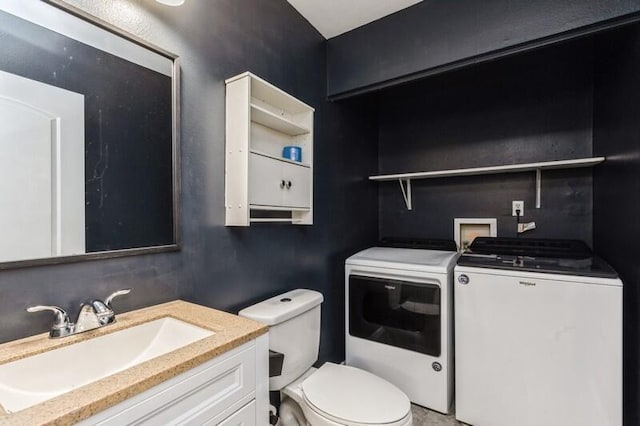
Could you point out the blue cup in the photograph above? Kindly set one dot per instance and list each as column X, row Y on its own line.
column 293, row 153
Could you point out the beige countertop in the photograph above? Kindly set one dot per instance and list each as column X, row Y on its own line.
column 230, row 331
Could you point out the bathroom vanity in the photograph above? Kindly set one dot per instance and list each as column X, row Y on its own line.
column 171, row 363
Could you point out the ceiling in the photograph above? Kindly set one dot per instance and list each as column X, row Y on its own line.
column 334, row 17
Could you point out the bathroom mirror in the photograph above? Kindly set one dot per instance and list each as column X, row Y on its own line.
column 89, row 155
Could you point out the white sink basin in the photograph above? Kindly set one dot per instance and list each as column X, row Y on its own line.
column 35, row 379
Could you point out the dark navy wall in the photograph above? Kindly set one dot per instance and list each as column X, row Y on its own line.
column 223, row 267
column 616, row 203
column 434, row 36
column 531, row 107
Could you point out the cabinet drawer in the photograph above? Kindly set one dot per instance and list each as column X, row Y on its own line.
column 246, row 416
column 193, row 398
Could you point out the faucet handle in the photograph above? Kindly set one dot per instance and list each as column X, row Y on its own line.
column 62, row 319
column 115, row 294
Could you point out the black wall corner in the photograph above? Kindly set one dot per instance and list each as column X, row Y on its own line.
column 616, row 188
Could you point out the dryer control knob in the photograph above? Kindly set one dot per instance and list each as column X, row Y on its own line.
column 436, row 366
column 463, row 279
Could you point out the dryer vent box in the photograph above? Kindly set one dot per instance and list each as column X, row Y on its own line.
column 465, row 230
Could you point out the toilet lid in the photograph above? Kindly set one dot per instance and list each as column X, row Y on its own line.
column 355, row 396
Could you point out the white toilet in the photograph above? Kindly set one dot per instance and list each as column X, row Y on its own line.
column 332, row 395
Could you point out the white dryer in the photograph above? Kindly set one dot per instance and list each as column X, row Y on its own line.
column 538, row 330
column 399, row 320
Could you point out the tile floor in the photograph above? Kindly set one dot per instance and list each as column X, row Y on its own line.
column 424, row 417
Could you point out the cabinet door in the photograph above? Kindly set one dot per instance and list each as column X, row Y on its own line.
column 297, row 187
column 265, row 181
column 246, row 416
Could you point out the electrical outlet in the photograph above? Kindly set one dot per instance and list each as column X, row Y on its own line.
column 517, row 205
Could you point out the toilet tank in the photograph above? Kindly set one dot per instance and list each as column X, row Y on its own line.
column 294, row 330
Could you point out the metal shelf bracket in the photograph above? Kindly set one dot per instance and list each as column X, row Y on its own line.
column 405, row 187
column 538, row 187
column 406, row 193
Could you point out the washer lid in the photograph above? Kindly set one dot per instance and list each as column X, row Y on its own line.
column 355, row 396
column 406, row 259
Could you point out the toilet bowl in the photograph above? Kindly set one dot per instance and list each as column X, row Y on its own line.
column 332, row 395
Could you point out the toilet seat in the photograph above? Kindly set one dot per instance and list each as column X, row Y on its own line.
column 354, row 397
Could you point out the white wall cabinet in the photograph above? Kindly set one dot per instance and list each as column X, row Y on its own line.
column 260, row 121
column 231, row 390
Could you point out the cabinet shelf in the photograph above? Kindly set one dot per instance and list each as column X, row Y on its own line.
column 264, row 154
column 405, row 178
column 274, row 121
column 278, row 208
column 271, row 220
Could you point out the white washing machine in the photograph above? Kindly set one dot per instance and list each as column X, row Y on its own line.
column 538, row 335
column 398, row 320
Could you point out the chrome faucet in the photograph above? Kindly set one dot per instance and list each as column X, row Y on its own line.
column 93, row 314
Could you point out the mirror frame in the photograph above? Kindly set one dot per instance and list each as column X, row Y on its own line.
column 175, row 137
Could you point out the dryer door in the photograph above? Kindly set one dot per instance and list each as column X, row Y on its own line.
column 398, row 313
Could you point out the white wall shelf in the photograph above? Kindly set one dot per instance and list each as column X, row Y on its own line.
column 261, row 120
column 405, row 178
